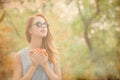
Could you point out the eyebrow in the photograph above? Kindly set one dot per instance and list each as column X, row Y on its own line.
column 40, row 21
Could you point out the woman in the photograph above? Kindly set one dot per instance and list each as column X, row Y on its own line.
column 37, row 66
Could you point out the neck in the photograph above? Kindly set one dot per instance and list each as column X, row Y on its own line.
column 35, row 43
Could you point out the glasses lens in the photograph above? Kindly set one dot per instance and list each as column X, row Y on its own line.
column 38, row 24
column 45, row 25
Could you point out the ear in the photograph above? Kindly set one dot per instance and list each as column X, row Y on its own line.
column 30, row 31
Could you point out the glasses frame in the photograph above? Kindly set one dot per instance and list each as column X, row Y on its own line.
column 40, row 24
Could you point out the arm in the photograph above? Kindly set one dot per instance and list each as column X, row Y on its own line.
column 53, row 75
column 17, row 69
column 29, row 74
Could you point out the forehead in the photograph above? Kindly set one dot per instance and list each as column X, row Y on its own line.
column 38, row 18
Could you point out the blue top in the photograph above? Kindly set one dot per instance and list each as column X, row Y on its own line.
column 39, row 73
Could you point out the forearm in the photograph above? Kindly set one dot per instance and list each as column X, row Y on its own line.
column 51, row 74
column 29, row 74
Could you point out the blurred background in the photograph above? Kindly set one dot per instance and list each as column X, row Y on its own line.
column 86, row 32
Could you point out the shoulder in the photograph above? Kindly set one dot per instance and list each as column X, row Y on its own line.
column 16, row 56
column 21, row 50
column 17, row 66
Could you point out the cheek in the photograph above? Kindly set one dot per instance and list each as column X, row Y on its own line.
column 36, row 32
column 47, row 31
column 33, row 31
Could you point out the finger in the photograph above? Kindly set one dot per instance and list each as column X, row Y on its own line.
column 32, row 51
column 37, row 58
column 41, row 60
column 46, row 59
column 35, row 54
column 44, row 56
column 44, row 51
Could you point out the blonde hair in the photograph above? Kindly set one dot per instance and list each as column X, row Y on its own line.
column 47, row 42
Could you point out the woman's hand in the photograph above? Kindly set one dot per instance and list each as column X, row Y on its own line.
column 35, row 57
column 43, row 60
column 39, row 56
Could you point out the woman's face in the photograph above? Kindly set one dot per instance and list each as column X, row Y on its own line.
column 39, row 27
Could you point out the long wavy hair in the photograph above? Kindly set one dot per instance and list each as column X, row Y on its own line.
column 47, row 42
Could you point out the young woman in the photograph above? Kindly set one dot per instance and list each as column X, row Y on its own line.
column 38, row 61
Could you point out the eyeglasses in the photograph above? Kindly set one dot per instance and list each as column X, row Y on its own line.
column 39, row 24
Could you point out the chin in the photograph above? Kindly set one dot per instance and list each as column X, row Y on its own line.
column 43, row 36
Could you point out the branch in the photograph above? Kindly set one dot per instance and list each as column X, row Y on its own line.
column 3, row 16
column 80, row 13
column 13, row 25
column 86, row 28
column 87, row 22
column 95, row 14
column 2, row 8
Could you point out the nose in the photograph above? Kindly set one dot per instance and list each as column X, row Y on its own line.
column 42, row 27
column 45, row 25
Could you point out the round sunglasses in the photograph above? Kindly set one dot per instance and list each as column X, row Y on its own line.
column 39, row 24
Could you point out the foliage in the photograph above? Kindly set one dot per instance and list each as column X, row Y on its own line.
column 77, row 61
